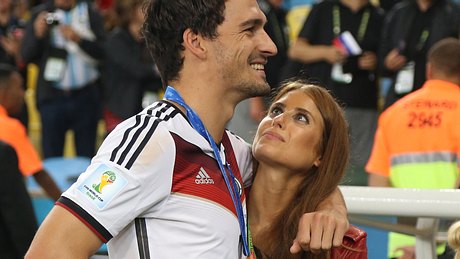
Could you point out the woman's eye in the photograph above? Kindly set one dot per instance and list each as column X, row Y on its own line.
column 275, row 111
column 302, row 118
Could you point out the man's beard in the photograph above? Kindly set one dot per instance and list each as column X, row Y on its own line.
column 255, row 90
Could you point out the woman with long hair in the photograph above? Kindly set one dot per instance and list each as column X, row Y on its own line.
column 302, row 150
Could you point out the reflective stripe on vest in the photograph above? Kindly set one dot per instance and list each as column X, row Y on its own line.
column 433, row 170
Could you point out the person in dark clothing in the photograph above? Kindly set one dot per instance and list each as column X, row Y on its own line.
column 11, row 33
column 129, row 70
column 355, row 86
column 65, row 39
column 410, row 29
column 15, row 134
column 17, row 219
column 276, row 28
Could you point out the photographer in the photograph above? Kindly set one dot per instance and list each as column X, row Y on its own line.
column 11, row 32
column 65, row 38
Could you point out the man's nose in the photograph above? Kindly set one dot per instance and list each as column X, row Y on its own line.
column 268, row 47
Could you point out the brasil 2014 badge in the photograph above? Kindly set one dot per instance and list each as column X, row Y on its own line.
column 102, row 185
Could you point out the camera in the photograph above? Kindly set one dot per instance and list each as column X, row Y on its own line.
column 52, row 19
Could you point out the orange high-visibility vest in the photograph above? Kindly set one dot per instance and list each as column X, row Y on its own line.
column 417, row 143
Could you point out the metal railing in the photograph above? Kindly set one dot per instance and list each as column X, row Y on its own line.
column 428, row 206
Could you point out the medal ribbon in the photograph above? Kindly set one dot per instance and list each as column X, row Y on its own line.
column 172, row 95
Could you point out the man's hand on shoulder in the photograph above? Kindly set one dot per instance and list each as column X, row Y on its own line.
column 323, row 229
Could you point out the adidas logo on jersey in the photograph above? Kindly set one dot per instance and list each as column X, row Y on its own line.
column 203, row 178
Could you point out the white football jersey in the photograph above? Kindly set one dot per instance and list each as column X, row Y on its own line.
column 154, row 190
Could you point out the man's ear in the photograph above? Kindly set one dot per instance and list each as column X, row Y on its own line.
column 194, row 43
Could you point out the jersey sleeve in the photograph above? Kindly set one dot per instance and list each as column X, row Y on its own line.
column 131, row 173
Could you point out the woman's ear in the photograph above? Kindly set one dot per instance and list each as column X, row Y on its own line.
column 194, row 43
column 317, row 162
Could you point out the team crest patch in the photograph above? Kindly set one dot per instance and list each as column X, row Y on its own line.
column 102, row 186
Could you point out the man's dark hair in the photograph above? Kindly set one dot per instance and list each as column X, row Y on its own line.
column 444, row 56
column 165, row 23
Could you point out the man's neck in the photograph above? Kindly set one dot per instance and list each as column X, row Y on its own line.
column 213, row 108
column 451, row 79
column 354, row 5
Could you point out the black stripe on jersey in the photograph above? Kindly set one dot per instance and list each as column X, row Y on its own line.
column 126, row 134
column 86, row 218
column 133, row 139
column 147, row 137
column 137, row 133
column 142, row 238
column 158, row 105
column 161, row 111
column 173, row 113
column 142, row 145
column 125, row 137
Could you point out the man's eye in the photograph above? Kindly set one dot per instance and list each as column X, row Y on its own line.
column 250, row 29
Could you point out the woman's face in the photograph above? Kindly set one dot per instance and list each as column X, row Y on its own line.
column 290, row 134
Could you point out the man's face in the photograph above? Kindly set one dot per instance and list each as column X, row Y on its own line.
column 15, row 94
column 242, row 48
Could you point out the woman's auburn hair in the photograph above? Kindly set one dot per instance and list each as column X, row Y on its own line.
column 319, row 182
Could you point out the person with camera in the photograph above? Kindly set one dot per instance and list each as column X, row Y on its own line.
column 11, row 32
column 65, row 39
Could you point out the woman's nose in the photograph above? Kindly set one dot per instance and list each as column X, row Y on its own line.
column 278, row 121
